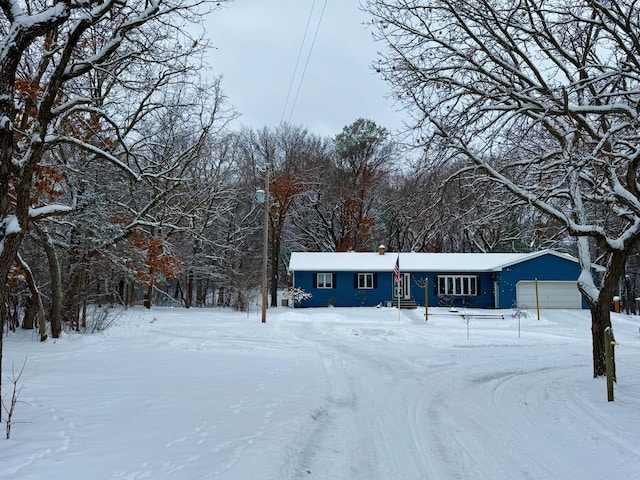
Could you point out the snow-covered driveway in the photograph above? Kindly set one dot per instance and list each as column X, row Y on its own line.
column 427, row 402
column 325, row 394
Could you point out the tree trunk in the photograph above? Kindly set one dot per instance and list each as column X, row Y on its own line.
column 57, row 294
column 29, row 313
column 629, row 296
column 35, row 303
column 34, row 309
column 147, row 297
column 3, row 313
column 600, row 320
column 201, row 293
column 83, row 321
column 275, row 256
column 220, row 300
column 189, row 297
column 601, row 309
column 55, row 276
column 131, row 296
column 82, row 301
column 121, row 293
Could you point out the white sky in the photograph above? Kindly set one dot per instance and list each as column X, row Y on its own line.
column 257, row 43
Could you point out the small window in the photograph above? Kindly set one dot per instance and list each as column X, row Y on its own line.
column 325, row 280
column 365, row 280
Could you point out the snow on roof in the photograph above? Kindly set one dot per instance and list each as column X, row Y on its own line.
column 410, row 262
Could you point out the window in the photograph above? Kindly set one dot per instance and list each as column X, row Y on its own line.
column 457, row 285
column 325, row 280
column 365, row 280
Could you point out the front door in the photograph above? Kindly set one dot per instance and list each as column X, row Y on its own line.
column 402, row 289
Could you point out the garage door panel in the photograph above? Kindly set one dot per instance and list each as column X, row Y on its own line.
column 550, row 294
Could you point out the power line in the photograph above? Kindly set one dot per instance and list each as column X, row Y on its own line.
column 295, row 69
column 315, row 35
column 295, row 99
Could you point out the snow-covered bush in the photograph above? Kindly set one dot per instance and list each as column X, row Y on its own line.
column 295, row 294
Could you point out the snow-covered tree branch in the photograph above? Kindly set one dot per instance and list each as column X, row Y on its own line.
column 542, row 98
column 79, row 76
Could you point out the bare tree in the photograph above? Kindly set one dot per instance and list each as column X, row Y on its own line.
column 49, row 53
column 540, row 97
column 291, row 154
column 430, row 208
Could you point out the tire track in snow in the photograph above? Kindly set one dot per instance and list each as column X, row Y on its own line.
column 519, row 418
column 464, row 432
column 441, row 412
column 332, row 433
column 385, row 398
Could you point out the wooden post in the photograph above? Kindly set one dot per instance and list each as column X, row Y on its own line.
column 609, row 345
column 616, row 304
column 426, row 300
column 537, row 300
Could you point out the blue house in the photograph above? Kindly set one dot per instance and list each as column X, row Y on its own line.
column 477, row 280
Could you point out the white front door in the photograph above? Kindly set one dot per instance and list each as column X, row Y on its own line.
column 402, row 289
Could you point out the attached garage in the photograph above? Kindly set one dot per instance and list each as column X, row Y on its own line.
column 551, row 294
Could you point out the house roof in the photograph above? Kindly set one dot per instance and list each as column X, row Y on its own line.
column 411, row 262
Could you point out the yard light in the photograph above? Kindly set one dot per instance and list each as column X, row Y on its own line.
column 262, row 197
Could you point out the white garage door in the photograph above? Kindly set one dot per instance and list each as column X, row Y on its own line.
column 550, row 295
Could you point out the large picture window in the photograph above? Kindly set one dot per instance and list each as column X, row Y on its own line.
column 324, row 280
column 457, row 285
column 365, row 280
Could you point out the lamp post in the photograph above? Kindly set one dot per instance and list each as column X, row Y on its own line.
column 262, row 197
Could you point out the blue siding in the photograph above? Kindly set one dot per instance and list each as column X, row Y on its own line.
column 345, row 293
column 546, row 267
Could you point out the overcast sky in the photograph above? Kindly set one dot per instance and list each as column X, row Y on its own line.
column 257, row 43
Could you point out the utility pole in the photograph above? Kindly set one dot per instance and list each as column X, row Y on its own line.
column 262, row 197
column 265, row 250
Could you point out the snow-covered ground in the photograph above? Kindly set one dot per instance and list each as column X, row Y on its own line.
column 360, row 393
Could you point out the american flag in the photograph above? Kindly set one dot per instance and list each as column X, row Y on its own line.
column 396, row 271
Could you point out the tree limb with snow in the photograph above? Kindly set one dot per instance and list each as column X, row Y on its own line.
column 541, row 98
column 63, row 68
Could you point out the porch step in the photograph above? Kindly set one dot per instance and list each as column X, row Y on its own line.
column 406, row 303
